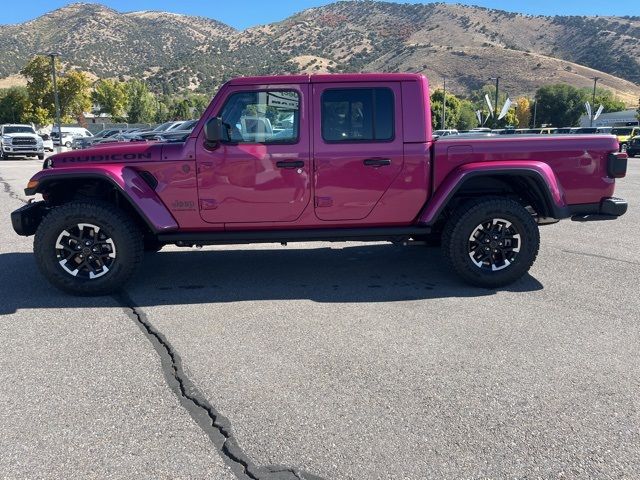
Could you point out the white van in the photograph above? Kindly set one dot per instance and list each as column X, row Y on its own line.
column 68, row 134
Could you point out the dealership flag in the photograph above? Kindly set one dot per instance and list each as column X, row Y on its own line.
column 486, row 97
column 505, row 108
column 479, row 115
column 600, row 109
column 587, row 105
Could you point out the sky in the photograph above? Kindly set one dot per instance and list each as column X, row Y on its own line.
column 246, row 13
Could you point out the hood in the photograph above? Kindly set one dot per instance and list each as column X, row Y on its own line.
column 13, row 135
column 124, row 152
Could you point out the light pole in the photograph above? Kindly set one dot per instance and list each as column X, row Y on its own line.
column 593, row 101
column 444, row 102
column 495, row 105
column 535, row 112
column 53, row 56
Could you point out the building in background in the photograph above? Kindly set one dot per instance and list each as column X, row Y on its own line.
column 614, row 118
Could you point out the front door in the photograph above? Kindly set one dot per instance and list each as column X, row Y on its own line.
column 262, row 172
column 358, row 147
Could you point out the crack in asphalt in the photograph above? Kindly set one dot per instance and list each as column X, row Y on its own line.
column 215, row 425
column 8, row 190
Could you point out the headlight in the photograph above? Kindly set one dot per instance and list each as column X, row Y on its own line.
column 39, row 141
column 6, row 139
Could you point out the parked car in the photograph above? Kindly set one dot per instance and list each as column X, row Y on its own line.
column 445, row 133
column 361, row 166
column 180, row 134
column 623, row 135
column 548, row 130
column 68, row 134
column 19, row 140
column 47, row 142
column 79, row 143
column 633, row 146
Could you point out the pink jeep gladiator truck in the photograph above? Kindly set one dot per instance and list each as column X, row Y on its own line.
column 315, row 157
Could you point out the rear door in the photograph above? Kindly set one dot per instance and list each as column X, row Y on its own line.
column 357, row 146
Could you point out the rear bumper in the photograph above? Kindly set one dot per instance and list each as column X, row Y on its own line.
column 609, row 208
column 26, row 219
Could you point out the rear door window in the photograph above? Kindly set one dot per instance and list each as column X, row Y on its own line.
column 357, row 115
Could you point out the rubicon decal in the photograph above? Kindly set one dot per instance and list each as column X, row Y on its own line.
column 104, row 158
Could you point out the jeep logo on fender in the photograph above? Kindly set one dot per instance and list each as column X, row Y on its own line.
column 105, row 158
column 183, row 205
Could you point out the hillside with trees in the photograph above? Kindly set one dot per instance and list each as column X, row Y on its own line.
column 180, row 54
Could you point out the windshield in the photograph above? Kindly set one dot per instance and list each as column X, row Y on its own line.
column 621, row 131
column 163, row 127
column 19, row 129
column 188, row 125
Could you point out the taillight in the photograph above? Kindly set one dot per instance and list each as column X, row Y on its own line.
column 617, row 165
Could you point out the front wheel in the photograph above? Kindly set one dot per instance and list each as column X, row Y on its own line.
column 41, row 156
column 88, row 248
column 492, row 242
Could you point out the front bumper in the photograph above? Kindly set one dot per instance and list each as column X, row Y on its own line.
column 609, row 208
column 26, row 219
column 22, row 149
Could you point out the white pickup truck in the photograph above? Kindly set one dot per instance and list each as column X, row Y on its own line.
column 20, row 140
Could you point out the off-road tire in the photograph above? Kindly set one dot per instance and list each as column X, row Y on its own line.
column 463, row 223
column 126, row 237
column 41, row 156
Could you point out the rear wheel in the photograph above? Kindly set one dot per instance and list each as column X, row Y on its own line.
column 88, row 248
column 491, row 242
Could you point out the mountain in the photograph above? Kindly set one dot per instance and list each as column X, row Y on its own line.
column 464, row 43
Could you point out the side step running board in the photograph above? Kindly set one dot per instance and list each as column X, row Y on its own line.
column 374, row 234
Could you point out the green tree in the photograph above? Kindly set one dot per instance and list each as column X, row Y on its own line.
column 560, row 105
column 142, row 103
column 605, row 98
column 452, row 109
column 181, row 110
column 41, row 107
column 111, row 96
column 14, row 105
column 638, row 110
column 467, row 116
column 199, row 104
column 510, row 119
column 162, row 111
column 74, row 91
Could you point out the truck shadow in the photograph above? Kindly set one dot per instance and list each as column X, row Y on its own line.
column 369, row 273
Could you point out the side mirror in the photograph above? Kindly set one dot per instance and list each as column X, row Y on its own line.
column 214, row 131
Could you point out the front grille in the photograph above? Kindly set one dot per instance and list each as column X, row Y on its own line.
column 24, row 141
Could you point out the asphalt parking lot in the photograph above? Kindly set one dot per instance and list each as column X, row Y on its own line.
column 333, row 361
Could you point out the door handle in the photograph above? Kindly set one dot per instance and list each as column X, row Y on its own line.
column 377, row 162
column 290, row 164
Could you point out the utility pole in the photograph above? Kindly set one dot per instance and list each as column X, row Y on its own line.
column 535, row 112
column 593, row 101
column 53, row 56
column 495, row 105
column 444, row 103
